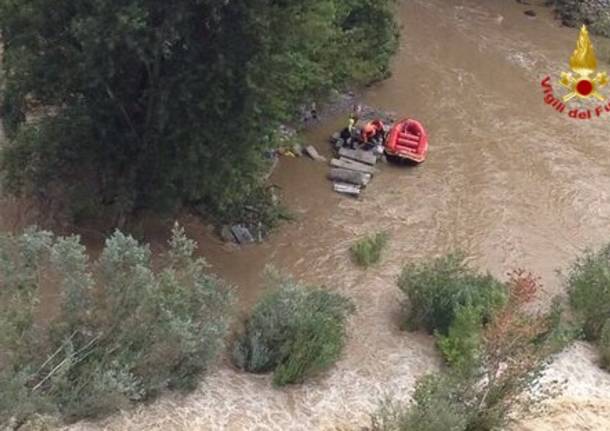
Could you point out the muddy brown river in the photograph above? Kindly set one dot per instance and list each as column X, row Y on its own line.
column 508, row 180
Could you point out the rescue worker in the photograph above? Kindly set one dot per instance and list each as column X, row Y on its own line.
column 372, row 134
column 368, row 131
column 349, row 134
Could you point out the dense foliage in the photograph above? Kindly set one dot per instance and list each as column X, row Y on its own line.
column 139, row 103
column 459, row 305
column 367, row 251
column 438, row 290
column 121, row 332
column 294, row 331
column 501, row 382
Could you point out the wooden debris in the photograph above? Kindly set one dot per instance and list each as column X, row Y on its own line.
column 352, row 165
column 348, row 189
column 350, row 177
column 242, row 235
column 366, row 157
column 313, row 153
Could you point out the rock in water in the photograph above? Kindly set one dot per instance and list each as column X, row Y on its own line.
column 226, row 234
column 348, row 189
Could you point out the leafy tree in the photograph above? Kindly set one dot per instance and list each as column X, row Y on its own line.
column 147, row 103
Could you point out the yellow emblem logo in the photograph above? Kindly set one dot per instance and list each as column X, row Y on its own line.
column 582, row 83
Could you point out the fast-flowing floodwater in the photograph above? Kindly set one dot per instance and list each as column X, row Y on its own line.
column 508, row 180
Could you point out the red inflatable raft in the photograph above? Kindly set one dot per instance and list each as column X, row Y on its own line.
column 408, row 140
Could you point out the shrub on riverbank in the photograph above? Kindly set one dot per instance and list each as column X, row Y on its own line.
column 122, row 331
column 457, row 304
column 502, row 381
column 447, row 298
column 436, row 290
column 588, row 287
column 294, row 331
column 589, row 290
column 367, row 251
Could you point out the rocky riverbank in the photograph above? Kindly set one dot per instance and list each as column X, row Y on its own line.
column 594, row 13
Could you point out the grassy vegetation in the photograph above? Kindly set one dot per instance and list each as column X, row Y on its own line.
column 367, row 251
column 122, row 332
column 294, row 331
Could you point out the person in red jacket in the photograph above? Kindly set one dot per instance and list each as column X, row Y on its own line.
column 372, row 133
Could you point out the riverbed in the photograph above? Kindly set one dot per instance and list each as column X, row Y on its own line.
column 509, row 181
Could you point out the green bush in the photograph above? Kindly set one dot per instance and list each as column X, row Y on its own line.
column 367, row 251
column 503, row 381
column 436, row 290
column 461, row 346
column 294, row 331
column 589, row 290
column 437, row 405
column 604, row 345
column 122, row 333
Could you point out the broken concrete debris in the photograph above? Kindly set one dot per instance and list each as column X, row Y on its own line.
column 348, row 189
column 242, row 234
column 313, row 153
column 346, row 163
column 349, row 177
